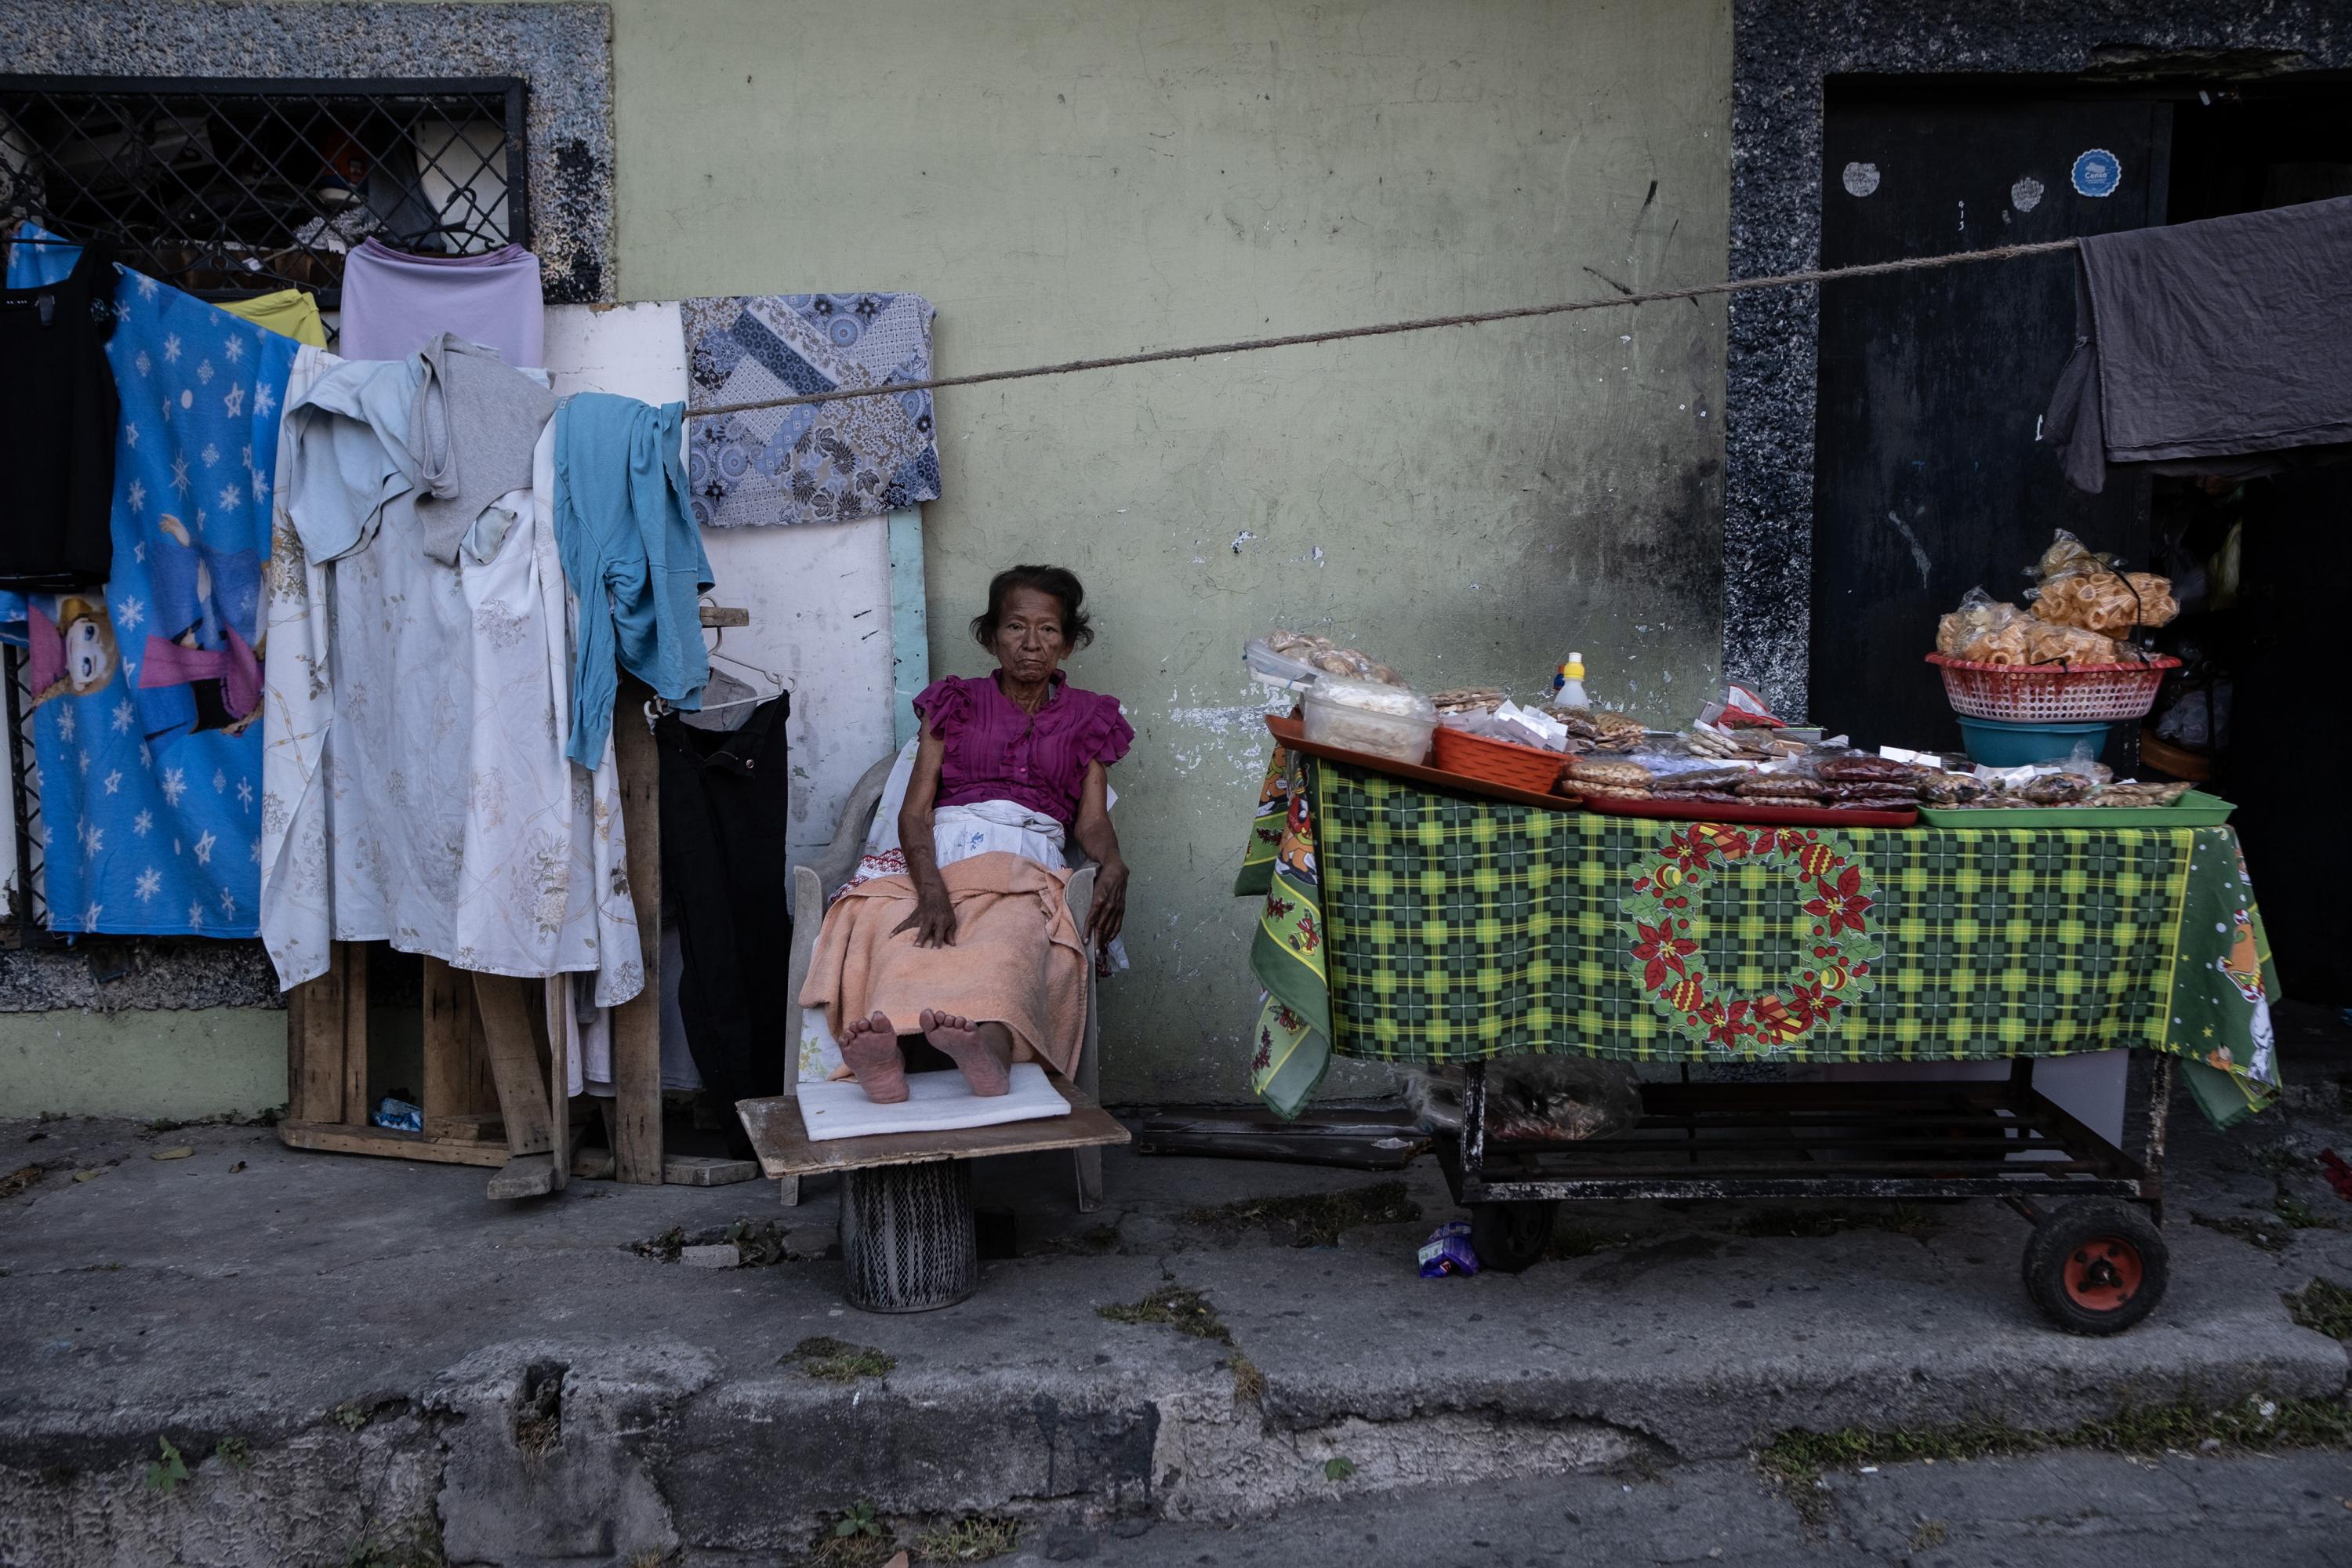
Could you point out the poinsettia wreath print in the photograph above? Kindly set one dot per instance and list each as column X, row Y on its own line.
column 1836, row 957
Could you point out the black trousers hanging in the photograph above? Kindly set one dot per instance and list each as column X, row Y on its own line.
column 724, row 877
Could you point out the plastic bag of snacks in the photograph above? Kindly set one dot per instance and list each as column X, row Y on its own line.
column 2078, row 587
column 1985, row 629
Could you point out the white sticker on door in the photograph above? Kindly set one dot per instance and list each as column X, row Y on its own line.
column 1860, row 179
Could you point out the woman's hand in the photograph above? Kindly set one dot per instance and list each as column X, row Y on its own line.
column 1109, row 911
column 934, row 919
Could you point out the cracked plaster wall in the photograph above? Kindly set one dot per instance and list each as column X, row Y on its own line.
column 1782, row 52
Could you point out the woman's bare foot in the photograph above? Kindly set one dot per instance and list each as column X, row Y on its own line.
column 869, row 1047
column 982, row 1060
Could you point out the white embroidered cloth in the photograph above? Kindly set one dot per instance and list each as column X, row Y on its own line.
column 413, row 784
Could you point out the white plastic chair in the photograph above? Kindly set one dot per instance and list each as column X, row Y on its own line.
column 831, row 869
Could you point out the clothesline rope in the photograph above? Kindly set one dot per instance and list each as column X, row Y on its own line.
column 1388, row 329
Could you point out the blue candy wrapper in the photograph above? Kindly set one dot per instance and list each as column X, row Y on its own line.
column 398, row 1115
column 1448, row 1251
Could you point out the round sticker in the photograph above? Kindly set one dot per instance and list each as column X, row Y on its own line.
column 1860, row 179
column 2098, row 173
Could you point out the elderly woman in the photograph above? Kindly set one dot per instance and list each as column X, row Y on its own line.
column 971, row 951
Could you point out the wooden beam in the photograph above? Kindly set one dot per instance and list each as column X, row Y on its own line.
column 353, row 956
column 636, row 1024
column 516, row 1060
column 314, row 1088
column 725, row 615
column 448, row 1053
column 557, row 989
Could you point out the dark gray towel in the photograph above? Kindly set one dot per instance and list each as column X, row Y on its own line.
column 2200, row 346
column 474, row 424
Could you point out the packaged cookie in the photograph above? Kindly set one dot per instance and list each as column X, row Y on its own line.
column 1609, row 772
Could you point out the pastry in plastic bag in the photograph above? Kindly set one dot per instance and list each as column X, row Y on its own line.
column 2046, row 642
column 2079, row 587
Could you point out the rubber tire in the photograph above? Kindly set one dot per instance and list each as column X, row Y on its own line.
column 2054, row 1242
column 1508, row 1237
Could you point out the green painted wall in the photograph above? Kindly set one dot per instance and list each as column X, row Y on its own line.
column 1081, row 179
column 146, row 1064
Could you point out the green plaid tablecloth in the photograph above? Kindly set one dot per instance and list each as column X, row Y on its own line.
column 1406, row 925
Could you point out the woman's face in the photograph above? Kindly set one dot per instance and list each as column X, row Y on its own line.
column 1029, row 640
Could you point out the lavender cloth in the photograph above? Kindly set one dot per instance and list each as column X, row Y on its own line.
column 394, row 302
column 996, row 752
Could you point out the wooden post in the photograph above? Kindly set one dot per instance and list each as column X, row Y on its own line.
column 516, row 1060
column 453, row 1109
column 636, row 1024
column 353, row 958
column 557, row 990
column 315, row 1044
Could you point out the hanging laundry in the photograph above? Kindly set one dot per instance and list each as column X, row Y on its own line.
column 57, row 414
column 724, row 809
column 2222, row 346
column 476, row 423
column 288, row 312
column 394, row 302
column 415, row 789
column 634, row 557
column 146, row 693
column 819, row 462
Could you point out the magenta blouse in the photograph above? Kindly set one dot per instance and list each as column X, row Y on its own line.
column 996, row 752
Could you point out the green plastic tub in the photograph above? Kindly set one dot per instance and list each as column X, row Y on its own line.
column 2195, row 809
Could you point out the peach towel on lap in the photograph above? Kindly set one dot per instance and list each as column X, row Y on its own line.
column 1017, row 959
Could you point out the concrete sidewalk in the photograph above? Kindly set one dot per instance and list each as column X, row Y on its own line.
column 352, row 1354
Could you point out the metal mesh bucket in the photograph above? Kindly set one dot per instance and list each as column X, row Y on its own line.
column 908, row 1243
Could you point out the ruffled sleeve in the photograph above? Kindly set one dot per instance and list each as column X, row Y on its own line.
column 1107, row 733
column 945, row 704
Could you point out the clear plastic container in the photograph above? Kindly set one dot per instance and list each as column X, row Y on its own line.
column 1277, row 669
column 1392, row 722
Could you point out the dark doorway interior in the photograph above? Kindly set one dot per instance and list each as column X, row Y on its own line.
column 1929, row 478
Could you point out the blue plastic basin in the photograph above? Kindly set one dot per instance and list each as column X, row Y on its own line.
column 1999, row 743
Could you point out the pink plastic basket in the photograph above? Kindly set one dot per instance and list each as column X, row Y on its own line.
column 2029, row 693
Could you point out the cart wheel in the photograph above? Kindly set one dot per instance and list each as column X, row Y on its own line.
column 2097, row 1267
column 1509, row 1237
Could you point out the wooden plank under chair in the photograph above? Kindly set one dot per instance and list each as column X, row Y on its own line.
column 493, row 1070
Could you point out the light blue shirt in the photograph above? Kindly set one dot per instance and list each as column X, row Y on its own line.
column 632, row 556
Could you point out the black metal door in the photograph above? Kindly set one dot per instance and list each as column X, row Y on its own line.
column 1928, row 480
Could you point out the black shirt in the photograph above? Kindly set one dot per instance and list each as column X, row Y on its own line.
column 57, row 418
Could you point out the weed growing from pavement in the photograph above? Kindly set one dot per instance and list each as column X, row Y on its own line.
column 837, row 1361
column 1797, row 1459
column 19, row 1182
column 236, row 1453
column 857, row 1540
column 1897, row 1219
column 2323, row 1305
column 166, row 1473
column 1189, row 1313
column 1313, row 1219
column 974, row 1538
column 759, row 1243
column 1931, row 1533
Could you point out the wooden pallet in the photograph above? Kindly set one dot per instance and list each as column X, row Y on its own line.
column 489, row 1057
